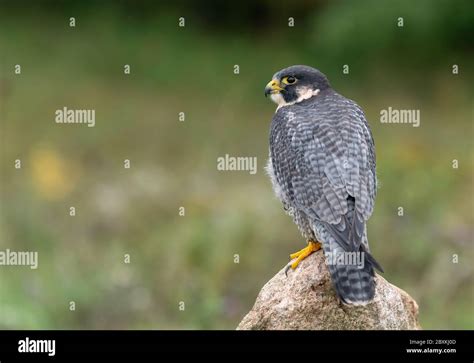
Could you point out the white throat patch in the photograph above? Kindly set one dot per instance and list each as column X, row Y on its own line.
column 303, row 94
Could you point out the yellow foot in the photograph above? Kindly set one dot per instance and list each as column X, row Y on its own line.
column 305, row 252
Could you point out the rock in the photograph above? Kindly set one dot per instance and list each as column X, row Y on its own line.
column 306, row 300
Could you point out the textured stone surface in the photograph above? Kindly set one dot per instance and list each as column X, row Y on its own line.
column 305, row 299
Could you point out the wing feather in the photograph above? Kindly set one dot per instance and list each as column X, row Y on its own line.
column 325, row 157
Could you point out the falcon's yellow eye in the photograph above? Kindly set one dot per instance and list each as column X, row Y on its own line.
column 289, row 80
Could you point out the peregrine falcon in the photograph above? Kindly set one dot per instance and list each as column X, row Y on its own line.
column 322, row 168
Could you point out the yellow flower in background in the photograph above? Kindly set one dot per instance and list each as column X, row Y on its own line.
column 52, row 176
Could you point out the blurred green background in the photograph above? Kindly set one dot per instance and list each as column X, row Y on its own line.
column 135, row 211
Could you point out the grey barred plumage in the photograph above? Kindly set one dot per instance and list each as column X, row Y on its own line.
column 322, row 167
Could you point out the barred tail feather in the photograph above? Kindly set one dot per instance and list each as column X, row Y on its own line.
column 354, row 284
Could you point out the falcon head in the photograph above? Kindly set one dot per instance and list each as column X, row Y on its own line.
column 295, row 84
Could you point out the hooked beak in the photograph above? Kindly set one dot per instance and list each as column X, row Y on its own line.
column 274, row 86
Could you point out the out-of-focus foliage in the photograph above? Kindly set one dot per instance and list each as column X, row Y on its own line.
column 135, row 211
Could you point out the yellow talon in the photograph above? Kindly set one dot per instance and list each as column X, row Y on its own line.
column 297, row 254
column 305, row 252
